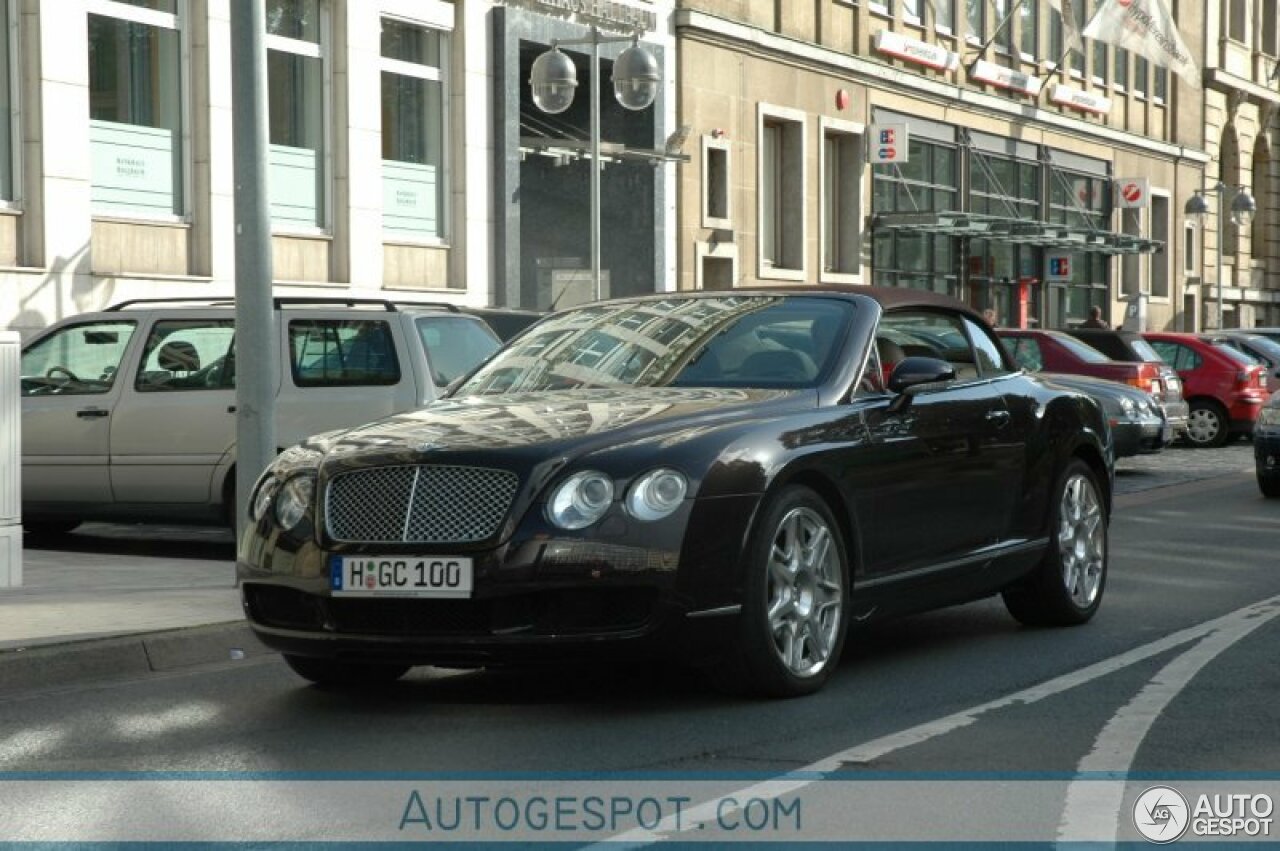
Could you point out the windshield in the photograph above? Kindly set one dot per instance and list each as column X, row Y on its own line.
column 1269, row 348
column 1084, row 351
column 1242, row 358
column 730, row 341
column 454, row 345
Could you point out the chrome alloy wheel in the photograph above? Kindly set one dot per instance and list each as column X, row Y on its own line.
column 1203, row 425
column 1081, row 540
column 806, row 601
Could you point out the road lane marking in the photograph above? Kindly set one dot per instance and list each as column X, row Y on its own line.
column 1092, row 812
column 868, row 752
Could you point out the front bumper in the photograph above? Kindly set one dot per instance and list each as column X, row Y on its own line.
column 1140, row 436
column 543, row 595
column 1266, row 451
column 1176, row 414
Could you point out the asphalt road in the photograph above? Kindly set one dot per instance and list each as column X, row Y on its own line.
column 1176, row 675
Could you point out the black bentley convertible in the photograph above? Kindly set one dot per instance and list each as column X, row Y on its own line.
column 731, row 477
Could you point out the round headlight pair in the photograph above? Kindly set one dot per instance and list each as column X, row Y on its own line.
column 583, row 498
column 293, row 500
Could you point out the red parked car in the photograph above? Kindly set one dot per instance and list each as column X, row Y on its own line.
column 1224, row 388
column 1053, row 351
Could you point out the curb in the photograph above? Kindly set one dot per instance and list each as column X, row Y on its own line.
column 76, row 662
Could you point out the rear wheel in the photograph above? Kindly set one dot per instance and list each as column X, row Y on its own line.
column 1066, row 588
column 793, row 621
column 1207, row 424
column 330, row 672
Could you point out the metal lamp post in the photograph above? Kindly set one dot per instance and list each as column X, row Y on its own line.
column 553, row 80
column 1243, row 208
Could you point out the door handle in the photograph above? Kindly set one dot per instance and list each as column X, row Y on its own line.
column 92, row 413
column 999, row 419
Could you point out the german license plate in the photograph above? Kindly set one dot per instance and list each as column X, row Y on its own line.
column 443, row 577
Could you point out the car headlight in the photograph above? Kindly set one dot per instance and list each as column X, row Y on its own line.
column 580, row 500
column 1270, row 416
column 262, row 498
column 294, row 500
column 656, row 494
column 1126, row 405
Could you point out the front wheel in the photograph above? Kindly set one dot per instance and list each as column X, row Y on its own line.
column 1066, row 588
column 330, row 672
column 794, row 620
column 1269, row 485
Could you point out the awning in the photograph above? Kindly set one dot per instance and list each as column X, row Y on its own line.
column 548, row 136
column 1013, row 230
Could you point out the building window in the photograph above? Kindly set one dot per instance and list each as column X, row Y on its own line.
column 1237, row 29
column 927, row 182
column 911, row 11
column 414, row 101
column 1140, row 66
column 716, row 181
column 975, row 15
column 297, row 112
column 1030, row 29
column 1008, row 187
column 1080, row 200
column 8, row 103
column 841, row 202
column 1161, row 84
column 1161, row 260
column 1189, row 249
column 781, row 194
column 135, row 107
column 1270, row 29
column 1004, row 36
column 1122, row 68
column 1100, row 62
column 945, row 12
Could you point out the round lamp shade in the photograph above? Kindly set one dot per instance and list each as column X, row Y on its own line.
column 553, row 79
column 635, row 77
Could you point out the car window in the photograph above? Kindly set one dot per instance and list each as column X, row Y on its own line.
column 77, row 360
column 1267, row 349
column 987, row 352
column 931, row 335
column 1178, row 356
column 342, row 353
column 187, row 354
column 1083, row 351
column 454, row 345
column 782, row 342
column 1026, row 353
column 1241, row 357
column 1145, row 350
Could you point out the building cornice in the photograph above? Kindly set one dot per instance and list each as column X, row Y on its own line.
column 888, row 78
column 1225, row 81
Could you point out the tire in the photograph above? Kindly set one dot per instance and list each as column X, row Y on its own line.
column 1066, row 588
column 330, row 672
column 795, row 610
column 48, row 528
column 1269, row 485
column 1207, row 424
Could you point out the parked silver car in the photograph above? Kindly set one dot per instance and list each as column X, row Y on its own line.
column 129, row 413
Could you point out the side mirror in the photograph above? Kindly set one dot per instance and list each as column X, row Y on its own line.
column 915, row 371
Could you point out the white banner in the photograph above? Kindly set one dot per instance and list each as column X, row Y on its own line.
column 1146, row 28
column 1133, row 192
column 1070, row 29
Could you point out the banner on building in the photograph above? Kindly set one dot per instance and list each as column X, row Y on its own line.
column 1133, row 192
column 1147, row 28
column 889, row 143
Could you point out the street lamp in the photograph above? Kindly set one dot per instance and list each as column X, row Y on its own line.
column 1243, row 208
column 553, row 79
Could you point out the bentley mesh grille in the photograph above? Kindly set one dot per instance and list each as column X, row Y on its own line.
column 419, row 504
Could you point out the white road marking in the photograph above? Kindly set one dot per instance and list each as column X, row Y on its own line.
column 1092, row 812
column 867, row 752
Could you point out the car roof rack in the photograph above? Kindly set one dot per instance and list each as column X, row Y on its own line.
column 287, row 301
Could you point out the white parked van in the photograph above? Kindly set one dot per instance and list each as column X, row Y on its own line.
column 130, row 413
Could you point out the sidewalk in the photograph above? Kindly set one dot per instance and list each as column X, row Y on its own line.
column 107, row 600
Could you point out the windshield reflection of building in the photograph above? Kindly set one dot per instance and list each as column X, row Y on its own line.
column 642, row 343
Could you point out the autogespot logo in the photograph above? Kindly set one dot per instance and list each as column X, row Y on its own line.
column 1161, row 814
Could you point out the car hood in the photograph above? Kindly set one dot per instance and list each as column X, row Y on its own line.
column 557, row 421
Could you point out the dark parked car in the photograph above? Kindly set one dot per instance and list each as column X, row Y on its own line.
column 1137, row 425
column 1266, row 447
column 721, row 476
column 1130, row 346
column 1224, row 388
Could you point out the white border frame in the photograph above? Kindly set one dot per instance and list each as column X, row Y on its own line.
column 1167, row 255
column 837, row 126
column 16, row 153
column 702, row 249
column 764, row 112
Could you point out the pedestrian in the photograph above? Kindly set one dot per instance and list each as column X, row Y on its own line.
column 1095, row 319
column 991, row 316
